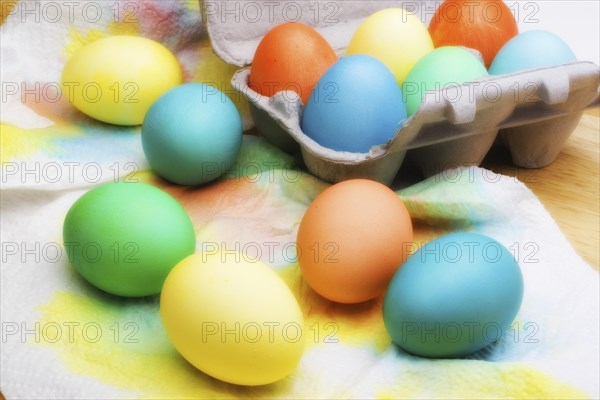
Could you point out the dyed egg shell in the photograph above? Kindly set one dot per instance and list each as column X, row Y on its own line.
column 530, row 50
column 233, row 319
column 117, row 78
column 192, row 134
column 352, row 239
column 438, row 69
column 291, row 56
column 124, row 238
column 454, row 296
column 355, row 106
column 396, row 37
column 484, row 25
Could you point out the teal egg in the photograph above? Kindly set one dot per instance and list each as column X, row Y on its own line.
column 530, row 50
column 454, row 296
column 192, row 134
column 124, row 238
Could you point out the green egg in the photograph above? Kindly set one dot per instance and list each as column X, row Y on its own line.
column 439, row 69
column 124, row 238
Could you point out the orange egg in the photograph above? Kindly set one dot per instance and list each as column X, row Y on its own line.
column 484, row 25
column 291, row 56
column 352, row 239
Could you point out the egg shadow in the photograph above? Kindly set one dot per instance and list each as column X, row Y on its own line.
column 486, row 353
column 408, row 175
column 94, row 126
column 205, row 381
column 312, row 303
column 105, row 297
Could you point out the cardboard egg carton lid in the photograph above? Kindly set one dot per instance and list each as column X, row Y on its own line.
column 446, row 120
column 236, row 27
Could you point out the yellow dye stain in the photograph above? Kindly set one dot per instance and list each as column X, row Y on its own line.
column 122, row 343
column 145, row 176
column 6, row 7
column 192, row 5
column 127, row 26
column 17, row 143
column 132, row 351
column 214, row 71
column 78, row 39
column 328, row 322
column 459, row 379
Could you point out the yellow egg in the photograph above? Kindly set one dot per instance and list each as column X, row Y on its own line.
column 116, row 79
column 396, row 37
column 232, row 318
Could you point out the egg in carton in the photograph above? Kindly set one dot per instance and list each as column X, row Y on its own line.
column 533, row 112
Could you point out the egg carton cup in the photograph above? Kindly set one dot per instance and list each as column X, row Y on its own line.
column 533, row 112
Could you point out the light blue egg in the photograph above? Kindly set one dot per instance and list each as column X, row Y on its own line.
column 454, row 296
column 356, row 105
column 192, row 134
column 530, row 50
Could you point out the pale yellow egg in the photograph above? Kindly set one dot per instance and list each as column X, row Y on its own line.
column 233, row 318
column 396, row 37
column 116, row 79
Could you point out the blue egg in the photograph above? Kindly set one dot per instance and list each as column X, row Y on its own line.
column 530, row 50
column 192, row 134
column 454, row 296
column 357, row 104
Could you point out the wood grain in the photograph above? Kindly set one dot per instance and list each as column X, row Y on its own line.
column 569, row 187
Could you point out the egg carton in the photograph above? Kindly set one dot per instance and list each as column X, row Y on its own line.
column 533, row 112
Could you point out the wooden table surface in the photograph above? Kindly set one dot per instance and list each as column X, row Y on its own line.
column 569, row 187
